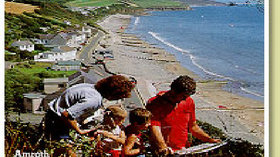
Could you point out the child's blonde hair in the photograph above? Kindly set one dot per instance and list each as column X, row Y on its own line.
column 116, row 111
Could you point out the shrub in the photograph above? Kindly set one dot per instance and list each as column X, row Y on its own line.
column 41, row 47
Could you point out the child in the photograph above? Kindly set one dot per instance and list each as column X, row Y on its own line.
column 111, row 133
column 140, row 120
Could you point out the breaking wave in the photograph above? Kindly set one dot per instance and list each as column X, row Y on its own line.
column 192, row 57
column 193, row 60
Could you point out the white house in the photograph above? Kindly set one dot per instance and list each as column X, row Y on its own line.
column 72, row 39
column 76, row 39
column 24, row 45
column 87, row 30
column 60, row 53
column 44, row 39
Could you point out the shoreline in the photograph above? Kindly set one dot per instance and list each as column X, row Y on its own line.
column 154, row 68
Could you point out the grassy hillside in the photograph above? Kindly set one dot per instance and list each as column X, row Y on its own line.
column 53, row 15
column 84, row 3
column 19, row 8
column 27, row 25
column 140, row 3
column 156, row 3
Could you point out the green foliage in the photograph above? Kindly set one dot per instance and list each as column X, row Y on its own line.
column 41, row 2
column 56, row 14
column 234, row 147
column 156, row 3
column 27, row 77
column 98, row 3
column 30, row 138
column 244, row 148
column 81, row 144
column 41, row 47
column 19, row 55
column 113, row 9
column 210, row 130
column 17, row 83
column 20, row 136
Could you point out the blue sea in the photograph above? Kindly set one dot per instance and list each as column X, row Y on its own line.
column 217, row 43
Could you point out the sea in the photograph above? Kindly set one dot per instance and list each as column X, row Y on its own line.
column 222, row 43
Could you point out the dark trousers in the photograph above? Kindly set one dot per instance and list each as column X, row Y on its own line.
column 55, row 127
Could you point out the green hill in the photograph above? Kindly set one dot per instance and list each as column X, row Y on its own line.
column 140, row 3
column 98, row 3
column 157, row 3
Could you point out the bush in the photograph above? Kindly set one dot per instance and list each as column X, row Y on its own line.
column 31, row 62
column 26, row 55
column 24, row 65
column 41, row 47
column 234, row 148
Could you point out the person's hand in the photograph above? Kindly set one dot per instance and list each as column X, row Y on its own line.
column 212, row 140
column 99, row 132
column 165, row 151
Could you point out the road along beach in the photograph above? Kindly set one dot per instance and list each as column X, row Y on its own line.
column 154, row 68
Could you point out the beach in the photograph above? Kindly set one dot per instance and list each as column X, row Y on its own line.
column 154, row 69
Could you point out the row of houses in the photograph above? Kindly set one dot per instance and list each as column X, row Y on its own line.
column 59, row 53
column 64, row 45
column 83, row 10
column 71, row 38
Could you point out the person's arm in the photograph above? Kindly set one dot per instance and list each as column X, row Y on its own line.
column 157, row 138
column 73, row 123
column 128, row 147
column 119, row 139
column 201, row 135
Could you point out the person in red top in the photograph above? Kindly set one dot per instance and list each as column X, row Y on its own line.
column 173, row 116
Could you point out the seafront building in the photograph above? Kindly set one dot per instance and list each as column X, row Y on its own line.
column 70, row 65
column 60, row 53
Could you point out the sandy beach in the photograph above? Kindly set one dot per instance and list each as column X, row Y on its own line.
column 154, row 68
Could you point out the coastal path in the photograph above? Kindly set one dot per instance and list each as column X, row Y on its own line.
column 85, row 55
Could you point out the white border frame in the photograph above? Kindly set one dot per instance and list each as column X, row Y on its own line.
column 266, row 78
column 2, row 78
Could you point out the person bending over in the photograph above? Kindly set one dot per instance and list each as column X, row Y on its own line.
column 81, row 101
